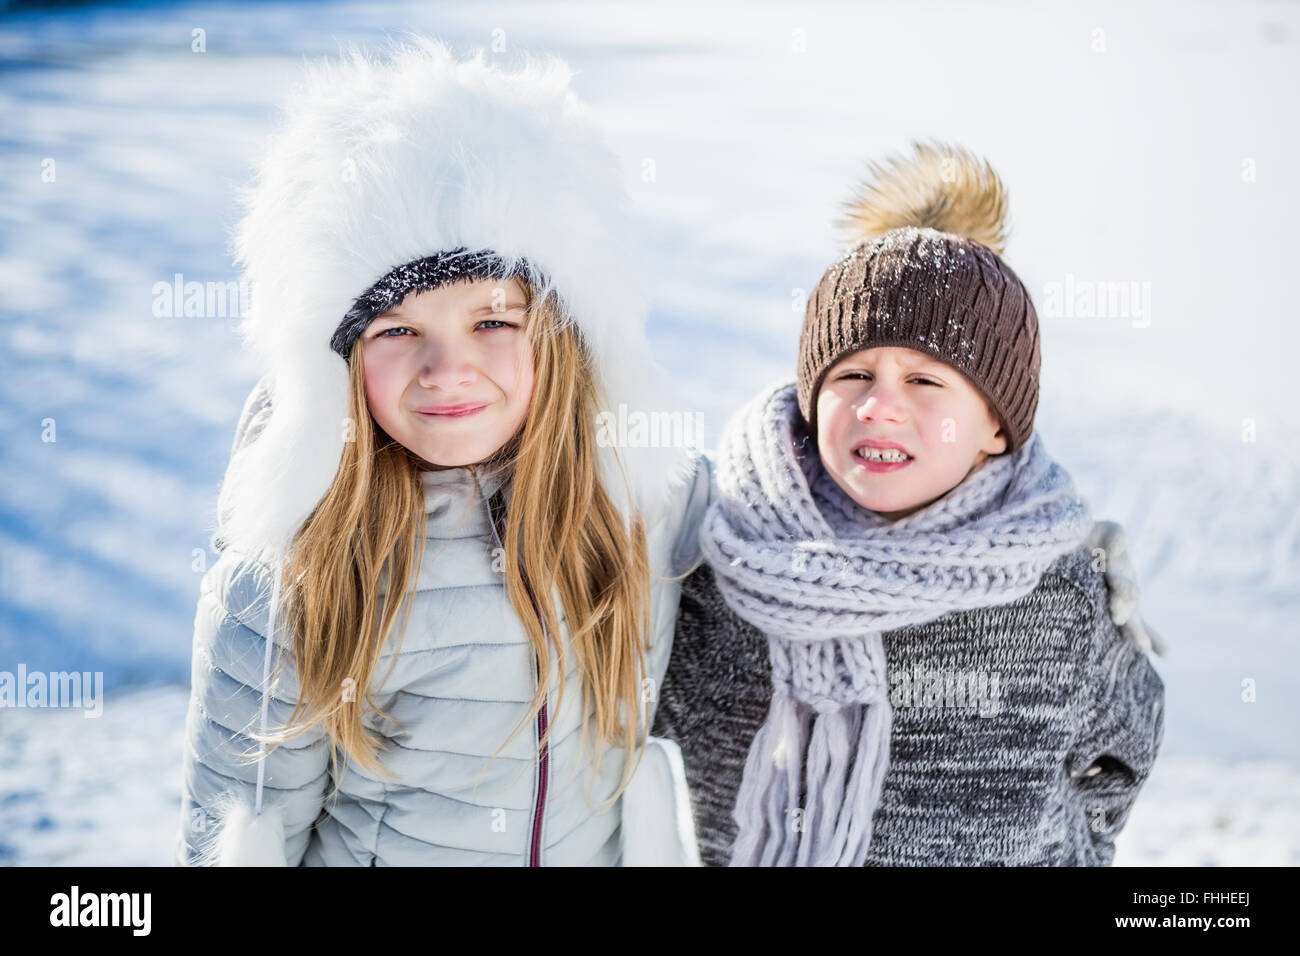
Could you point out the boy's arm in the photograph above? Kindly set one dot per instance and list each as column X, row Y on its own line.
column 1121, row 733
column 701, row 615
column 714, row 698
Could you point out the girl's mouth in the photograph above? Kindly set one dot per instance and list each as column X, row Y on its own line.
column 451, row 411
column 878, row 460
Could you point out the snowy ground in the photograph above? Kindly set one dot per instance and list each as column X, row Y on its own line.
column 103, row 792
column 1152, row 146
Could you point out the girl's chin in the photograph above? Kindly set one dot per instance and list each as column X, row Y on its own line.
column 446, row 456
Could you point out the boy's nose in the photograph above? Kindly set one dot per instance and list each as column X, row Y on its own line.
column 879, row 406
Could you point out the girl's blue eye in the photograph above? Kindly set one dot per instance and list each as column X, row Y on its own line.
column 492, row 324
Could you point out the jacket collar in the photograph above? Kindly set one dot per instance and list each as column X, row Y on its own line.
column 456, row 499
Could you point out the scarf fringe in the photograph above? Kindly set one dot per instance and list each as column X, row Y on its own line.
column 824, row 579
column 764, row 799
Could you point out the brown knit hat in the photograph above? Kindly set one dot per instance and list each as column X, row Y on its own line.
column 926, row 274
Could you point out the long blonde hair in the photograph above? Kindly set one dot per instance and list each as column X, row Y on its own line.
column 561, row 529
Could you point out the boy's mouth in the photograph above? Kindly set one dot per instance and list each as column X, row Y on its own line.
column 881, row 452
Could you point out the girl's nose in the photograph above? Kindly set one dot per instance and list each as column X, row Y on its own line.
column 445, row 367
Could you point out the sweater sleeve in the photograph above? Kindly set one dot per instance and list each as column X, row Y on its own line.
column 1120, row 736
column 219, row 764
column 673, row 707
column 715, row 696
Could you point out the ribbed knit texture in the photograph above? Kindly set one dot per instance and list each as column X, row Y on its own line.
column 1048, row 780
column 935, row 292
column 420, row 275
column 822, row 577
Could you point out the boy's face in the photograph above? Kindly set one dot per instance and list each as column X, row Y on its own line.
column 899, row 397
column 449, row 371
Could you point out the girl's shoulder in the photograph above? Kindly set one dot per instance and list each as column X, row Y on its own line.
column 254, row 415
column 241, row 586
column 238, row 582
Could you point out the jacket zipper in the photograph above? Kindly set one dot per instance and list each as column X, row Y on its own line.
column 543, row 756
column 543, row 765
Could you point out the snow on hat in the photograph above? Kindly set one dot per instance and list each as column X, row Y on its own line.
column 384, row 171
column 926, row 274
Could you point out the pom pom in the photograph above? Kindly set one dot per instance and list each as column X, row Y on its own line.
column 245, row 839
column 939, row 186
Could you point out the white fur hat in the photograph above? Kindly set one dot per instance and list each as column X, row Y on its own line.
column 380, row 162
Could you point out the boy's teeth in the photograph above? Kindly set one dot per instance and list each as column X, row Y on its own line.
column 882, row 454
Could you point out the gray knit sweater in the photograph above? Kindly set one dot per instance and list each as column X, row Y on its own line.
column 1038, row 767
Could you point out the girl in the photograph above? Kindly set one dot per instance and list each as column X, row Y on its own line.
column 901, row 649
column 447, row 590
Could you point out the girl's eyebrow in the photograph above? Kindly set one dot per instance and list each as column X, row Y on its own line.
column 488, row 308
column 395, row 313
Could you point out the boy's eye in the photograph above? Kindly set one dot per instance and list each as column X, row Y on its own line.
column 865, row 376
column 395, row 328
column 497, row 324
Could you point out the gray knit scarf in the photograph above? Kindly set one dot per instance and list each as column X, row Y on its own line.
column 823, row 579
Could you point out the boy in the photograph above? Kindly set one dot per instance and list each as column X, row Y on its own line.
column 900, row 651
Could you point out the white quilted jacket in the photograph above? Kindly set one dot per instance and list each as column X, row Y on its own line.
column 462, row 678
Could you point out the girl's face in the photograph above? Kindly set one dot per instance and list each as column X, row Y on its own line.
column 899, row 398
column 449, row 371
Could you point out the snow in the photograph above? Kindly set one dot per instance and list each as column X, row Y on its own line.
column 106, row 792
column 1128, row 154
